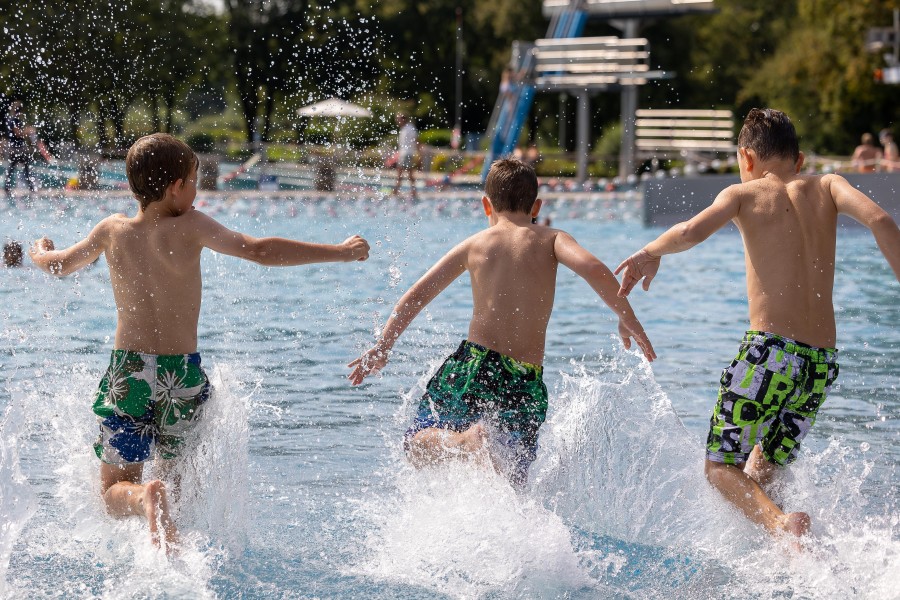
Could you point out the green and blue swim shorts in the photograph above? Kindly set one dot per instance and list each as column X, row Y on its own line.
column 148, row 403
column 770, row 395
column 478, row 384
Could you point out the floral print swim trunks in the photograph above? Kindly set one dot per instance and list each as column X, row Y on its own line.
column 148, row 402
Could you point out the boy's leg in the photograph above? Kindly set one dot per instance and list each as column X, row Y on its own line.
column 742, row 490
column 436, row 444
column 126, row 496
column 759, row 468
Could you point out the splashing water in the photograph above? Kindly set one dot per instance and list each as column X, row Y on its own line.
column 17, row 500
column 73, row 531
column 618, row 506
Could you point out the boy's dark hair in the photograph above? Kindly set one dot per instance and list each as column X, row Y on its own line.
column 511, row 186
column 155, row 162
column 769, row 133
column 12, row 254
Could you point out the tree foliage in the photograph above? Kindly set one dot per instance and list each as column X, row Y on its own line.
column 91, row 63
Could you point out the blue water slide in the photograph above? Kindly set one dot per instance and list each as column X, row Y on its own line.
column 514, row 104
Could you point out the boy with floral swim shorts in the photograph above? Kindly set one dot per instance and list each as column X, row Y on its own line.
column 154, row 387
column 492, row 386
column 771, row 392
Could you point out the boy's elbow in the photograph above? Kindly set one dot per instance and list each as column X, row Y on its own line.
column 883, row 222
column 689, row 234
column 257, row 251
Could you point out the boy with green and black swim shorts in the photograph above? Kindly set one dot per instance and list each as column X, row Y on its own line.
column 488, row 399
column 771, row 393
column 154, row 389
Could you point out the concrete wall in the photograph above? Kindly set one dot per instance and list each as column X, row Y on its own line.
column 670, row 201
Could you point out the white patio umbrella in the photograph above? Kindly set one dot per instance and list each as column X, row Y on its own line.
column 334, row 107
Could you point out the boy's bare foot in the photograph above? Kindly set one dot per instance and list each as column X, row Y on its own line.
column 797, row 523
column 156, row 507
column 433, row 445
column 471, row 440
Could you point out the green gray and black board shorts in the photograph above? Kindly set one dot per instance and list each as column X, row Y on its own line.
column 770, row 395
column 148, row 402
column 478, row 384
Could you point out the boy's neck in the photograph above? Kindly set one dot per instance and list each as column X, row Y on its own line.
column 783, row 169
column 156, row 210
column 515, row 218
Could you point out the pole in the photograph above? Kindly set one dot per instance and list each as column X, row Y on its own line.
column 583, row 124
column 629, row 114
column 457, row 114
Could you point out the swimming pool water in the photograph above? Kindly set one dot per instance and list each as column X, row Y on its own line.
column 298, row 487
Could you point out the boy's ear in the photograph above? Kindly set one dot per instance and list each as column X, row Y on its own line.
column 488, row 207
column 536, row 207
column 800, row 160
column 749, row 157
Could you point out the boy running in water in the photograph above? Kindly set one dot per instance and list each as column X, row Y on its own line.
column 492, row 386
column 154, row 387
column 786, row 364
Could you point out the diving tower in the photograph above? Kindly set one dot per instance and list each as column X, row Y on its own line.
column 565, row 62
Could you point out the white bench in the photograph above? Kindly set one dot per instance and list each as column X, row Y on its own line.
column 591, row 63
column 668, row 133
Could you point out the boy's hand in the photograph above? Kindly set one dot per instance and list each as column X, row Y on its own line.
column 357, row 248
column 371, row 362
column 40, row 246
column 631, row 328
column 639, row 265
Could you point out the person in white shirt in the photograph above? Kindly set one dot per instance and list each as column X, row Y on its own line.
column 407, row 149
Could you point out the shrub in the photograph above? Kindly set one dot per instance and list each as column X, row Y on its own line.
column 201, row 141
column 439, row 138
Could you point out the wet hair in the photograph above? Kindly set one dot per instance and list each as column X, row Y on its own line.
column 511, row 186
column 12, row 254
column 867, row 139
column 155, row 162
column 770, row 134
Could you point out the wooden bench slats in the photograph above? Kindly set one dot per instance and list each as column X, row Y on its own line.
column 588, row 69
column 685, row 123
column 685, row 133
column 670, row 144
column 680, row 112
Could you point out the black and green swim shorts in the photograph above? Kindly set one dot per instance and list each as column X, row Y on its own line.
column 478, row 384
column 770, row 394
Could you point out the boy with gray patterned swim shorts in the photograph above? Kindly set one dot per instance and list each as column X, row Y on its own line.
column 770, row 394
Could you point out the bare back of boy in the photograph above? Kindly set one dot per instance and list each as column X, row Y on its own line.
column 513, row 273
column 789, row 227
column 154, row 267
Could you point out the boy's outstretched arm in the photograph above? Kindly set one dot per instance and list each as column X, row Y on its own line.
column 644, row 263
column 64, row 262
column 850, row 201
column 274, row 251
column 426, row 289
column 591, row 269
